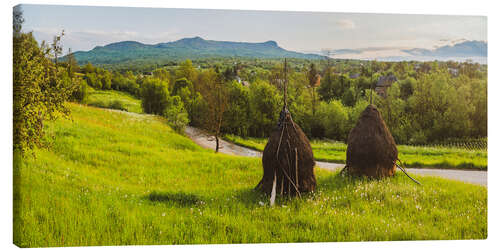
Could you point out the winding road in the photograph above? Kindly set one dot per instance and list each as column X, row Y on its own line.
column 470, row 176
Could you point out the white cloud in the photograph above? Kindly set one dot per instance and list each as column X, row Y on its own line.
column 346, row 24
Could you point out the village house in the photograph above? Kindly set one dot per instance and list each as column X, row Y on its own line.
column 354, row 75
column 453, row 72
column 383, row 83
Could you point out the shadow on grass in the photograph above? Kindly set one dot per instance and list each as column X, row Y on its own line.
column 179, row 198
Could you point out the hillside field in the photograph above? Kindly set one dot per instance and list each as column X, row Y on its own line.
column 117, row 178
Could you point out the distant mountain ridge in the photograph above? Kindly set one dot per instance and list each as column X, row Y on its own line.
column 193, row 48
column 474, row 50
column 467, row 48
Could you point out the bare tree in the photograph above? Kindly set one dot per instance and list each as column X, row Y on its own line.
column 314, row 80
column 215, row 94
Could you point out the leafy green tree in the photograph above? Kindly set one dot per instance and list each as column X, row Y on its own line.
column 237, row 115
column 407, row 87
column 186, row 70
column 105, row 78
column 154, row 96
column 176, row 114
column 40, row 90
column 265, row 105
column 89, row 68
column 161, row 74
column 93, row 80
column 349, row 97
column 81, row 92
column 479, row 100
column 333, row 116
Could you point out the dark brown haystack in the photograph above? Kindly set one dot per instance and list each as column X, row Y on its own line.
column 287, row 157
column 371, row 150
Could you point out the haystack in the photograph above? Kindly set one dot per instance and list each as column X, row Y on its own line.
column 371, row 150
column 287, row 160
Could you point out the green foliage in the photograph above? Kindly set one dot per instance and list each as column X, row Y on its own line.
column 82, row 91
column 425, row 105
column 349, row 97
column 265, row 104
column 176, row 114
column 117, row 104
column 40, row 91
column 333, row 117
column 237, row 118
column 186, row 70
column 154, row 96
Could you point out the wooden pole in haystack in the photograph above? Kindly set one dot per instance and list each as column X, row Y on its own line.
column 287, row 159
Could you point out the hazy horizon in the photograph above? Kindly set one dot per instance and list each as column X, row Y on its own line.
column 87, row 27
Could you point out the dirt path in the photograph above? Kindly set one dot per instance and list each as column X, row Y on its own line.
column 470, row 176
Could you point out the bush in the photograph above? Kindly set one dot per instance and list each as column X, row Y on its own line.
column 154, row 96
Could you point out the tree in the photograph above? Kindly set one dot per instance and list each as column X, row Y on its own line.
column 333, row 117
column 264, row 108
column 161, row 74
column 40, row 91
column 186, row 70
column 72, row 64
column 215, row 92
column 237, row 115
column 154, row 96
column 313, row 81
column 175, row 113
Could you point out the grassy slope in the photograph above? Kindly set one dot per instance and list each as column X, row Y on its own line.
column 411, row 156
column 114, row 178
column 104, row 99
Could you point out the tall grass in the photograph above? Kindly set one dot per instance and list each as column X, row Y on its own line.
column 411, row 156
column 116, row 178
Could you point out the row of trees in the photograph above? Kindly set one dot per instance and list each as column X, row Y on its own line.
column 426, row 104
column 422, row 106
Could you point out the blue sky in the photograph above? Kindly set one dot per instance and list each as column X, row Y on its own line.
column 87, row 27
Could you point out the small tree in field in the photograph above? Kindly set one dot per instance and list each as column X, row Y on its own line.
column 215, row 93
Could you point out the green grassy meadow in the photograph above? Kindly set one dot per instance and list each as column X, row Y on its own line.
column 411, row 156
column 108, row 98
column 119, row 178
